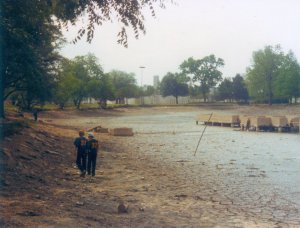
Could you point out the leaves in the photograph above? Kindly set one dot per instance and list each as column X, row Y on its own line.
column 273, row 75
column 124, row 84
column 30, row 52
column 204, row 71
column 173, row 84
column 79, row 79
column 128, row 13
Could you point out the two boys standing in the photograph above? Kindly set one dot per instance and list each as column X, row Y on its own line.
column 86, row 153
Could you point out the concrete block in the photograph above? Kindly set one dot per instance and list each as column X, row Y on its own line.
column 121, row 131
column 244, row 120
column 279, row 121
column 218, row 118
column 295, row 121
column 260, row 121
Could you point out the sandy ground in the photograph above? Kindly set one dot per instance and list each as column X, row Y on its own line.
column 40, row 187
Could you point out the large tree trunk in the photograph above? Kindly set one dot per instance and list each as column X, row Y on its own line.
column 2, row 114
column 61, row 106
column 204, row 97
column 2, row 75
column 270, row 97
column 77, row 103
column 103, row 103
column 28, row 104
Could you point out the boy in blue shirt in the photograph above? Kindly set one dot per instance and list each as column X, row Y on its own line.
column 80, row 145
column 92, row 150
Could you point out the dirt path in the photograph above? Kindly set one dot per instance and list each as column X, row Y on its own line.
column 41, row 188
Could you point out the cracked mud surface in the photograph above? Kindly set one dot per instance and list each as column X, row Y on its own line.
column 236, row 179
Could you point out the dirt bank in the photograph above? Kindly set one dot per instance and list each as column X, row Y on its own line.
column 40, row 187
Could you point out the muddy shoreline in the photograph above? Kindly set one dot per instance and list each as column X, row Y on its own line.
column 42, row 188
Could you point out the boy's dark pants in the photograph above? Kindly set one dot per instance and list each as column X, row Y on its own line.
column 81, row 161
column 92, row 157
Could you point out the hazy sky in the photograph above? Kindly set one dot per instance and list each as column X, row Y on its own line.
column 230, row 29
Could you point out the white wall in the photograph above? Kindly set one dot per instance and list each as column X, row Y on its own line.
column 160, row 100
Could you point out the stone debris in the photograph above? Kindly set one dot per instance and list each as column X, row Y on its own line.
column 122, row 208
column 99, row 129
column 28, row 213
column 52, row 152
column 78, row 203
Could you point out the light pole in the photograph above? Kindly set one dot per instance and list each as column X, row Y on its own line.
column 142, row 98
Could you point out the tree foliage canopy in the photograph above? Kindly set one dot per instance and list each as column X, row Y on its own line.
column 79, row 79
column 240, row 92
column 205, row 71
column 287, row 84
column 127, row 13
column 124, row 85
column 273, row 75
column 29, row 42
column 233, row 89
column 173, row 84
column 225, row 90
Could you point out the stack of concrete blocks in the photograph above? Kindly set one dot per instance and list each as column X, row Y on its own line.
column 279, row 121
column 220, row 120
column 203, row 118
column 244, row 120
column 295, row 123
column 121, row 131
column 258, row 122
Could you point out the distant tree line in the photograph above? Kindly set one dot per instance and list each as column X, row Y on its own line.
column 79, row 79
column 272, row 77
column 30, row 37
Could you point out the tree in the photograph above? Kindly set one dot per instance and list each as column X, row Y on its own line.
column 29, row 40
column 287, row 84
column 150, row 90
column 65, row 85
column 102, row 90
column 85, row 68
column 173, row 84
column 225, row 90
column 204, row 71
column 76, row 78
column 263, row 73
column 124, row 84
column 240, row 92
column 35, row 91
